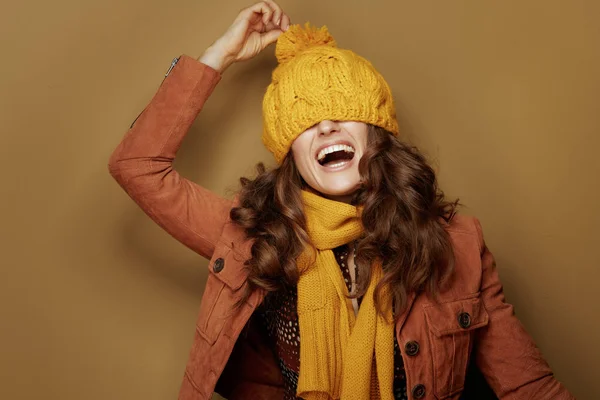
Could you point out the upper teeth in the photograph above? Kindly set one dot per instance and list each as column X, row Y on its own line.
column 332, row 149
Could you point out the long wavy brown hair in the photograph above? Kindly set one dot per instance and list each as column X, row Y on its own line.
column 403, row 217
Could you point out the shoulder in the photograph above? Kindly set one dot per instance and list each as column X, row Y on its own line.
column 468, row 246
column 465, row 230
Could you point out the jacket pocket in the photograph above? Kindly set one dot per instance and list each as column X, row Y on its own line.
column 452, row 326
column 225, row 278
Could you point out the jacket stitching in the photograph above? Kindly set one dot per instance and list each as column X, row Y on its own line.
column 193, row 383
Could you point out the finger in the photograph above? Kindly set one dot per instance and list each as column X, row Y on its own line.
column 260, row 10
column 267, row 12
column 258, row 26
column 277, row 11
column 270, row 26
column 257, row 22
column 269, row 37
column 285, row 22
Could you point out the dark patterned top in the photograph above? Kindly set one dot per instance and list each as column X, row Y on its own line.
column 278, row 314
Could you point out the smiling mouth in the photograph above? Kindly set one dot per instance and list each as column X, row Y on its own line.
column 335, row 155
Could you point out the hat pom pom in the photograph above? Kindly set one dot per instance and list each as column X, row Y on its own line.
column 297, row 39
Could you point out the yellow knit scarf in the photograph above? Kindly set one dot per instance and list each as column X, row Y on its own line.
column 342, row 355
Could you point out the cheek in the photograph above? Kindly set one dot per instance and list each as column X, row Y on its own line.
column 362, row 137
column 305, row 171
column 301, row 145
column 300, row 151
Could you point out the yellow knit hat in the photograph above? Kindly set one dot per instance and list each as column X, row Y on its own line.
column 315, row 80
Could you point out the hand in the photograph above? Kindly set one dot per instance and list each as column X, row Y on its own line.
column 254, row 28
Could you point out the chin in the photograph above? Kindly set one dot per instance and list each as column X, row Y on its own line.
column 340, row 190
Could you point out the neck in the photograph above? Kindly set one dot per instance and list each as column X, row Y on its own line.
column 343, row 199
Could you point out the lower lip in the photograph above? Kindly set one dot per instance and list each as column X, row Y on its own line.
column 338, row 166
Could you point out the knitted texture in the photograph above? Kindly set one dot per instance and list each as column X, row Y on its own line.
column 314, row 81
column 342, row 355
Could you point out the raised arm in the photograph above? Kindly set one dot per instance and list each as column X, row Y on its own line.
column 142, row 163
column 505, row 353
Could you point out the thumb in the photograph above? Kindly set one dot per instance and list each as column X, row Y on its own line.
column 269, row 37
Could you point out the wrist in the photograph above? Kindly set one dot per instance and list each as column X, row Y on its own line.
column 215, row 59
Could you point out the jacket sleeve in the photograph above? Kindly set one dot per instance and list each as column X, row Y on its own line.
column 505, row 353
column 142, row 163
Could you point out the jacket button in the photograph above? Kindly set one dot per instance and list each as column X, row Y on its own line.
column 418, row 391
column 464, row 320
column 219, row 265
column 411, row 348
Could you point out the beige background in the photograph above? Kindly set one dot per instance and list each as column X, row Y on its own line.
column 98, row 303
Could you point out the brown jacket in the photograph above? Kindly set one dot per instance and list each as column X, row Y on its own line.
column 470, row 322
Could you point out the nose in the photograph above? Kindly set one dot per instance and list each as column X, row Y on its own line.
column 326, row 127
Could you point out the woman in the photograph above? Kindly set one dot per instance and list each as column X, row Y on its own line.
column 347, row 245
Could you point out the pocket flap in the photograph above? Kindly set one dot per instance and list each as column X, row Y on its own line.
column 227, row 266
column 456, row 316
